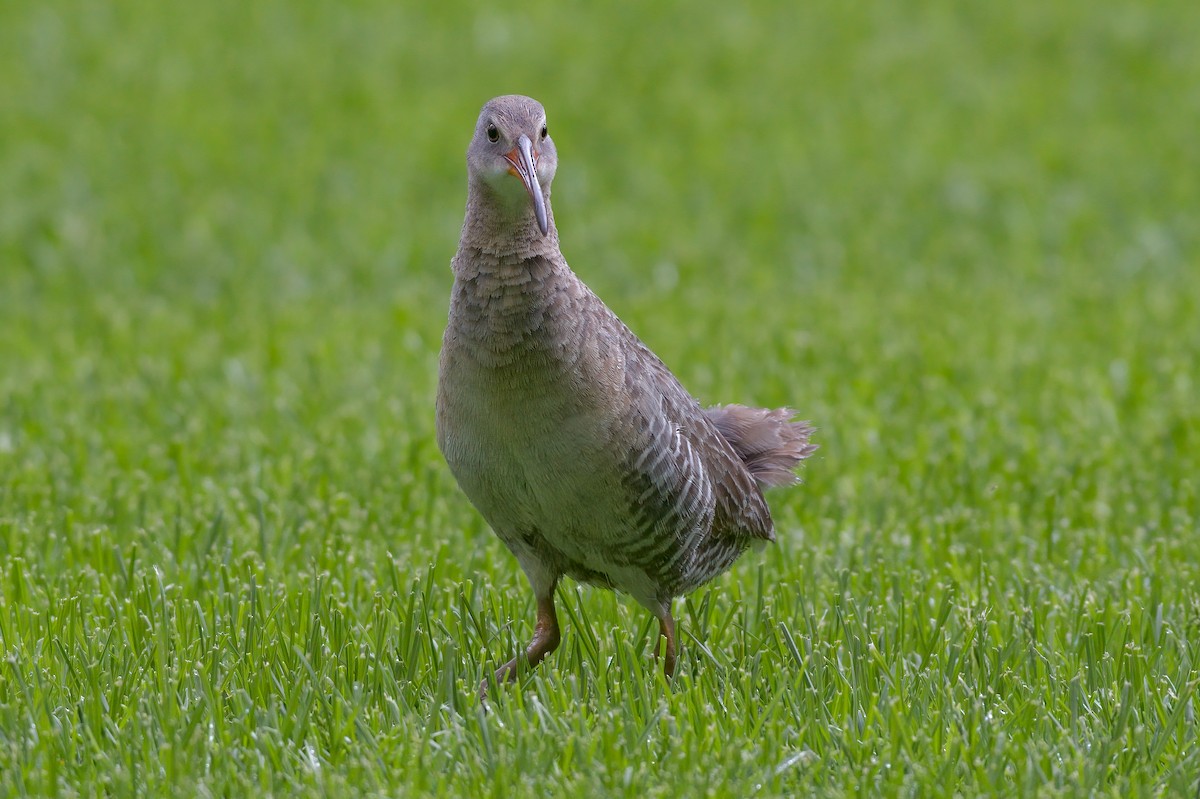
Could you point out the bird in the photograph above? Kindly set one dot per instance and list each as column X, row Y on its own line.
column 574, row 441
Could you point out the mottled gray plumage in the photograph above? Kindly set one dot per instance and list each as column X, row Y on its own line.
column 576, row 443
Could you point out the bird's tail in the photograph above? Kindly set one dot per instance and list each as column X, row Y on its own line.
column 768, row 441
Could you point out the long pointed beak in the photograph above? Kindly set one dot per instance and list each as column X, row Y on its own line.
column 524, row 166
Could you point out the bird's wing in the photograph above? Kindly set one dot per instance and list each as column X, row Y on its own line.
column 688, row 458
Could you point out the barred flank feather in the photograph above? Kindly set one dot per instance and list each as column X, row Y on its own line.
column 767, row 441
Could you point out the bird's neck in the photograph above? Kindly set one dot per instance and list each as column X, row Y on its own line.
column 513, row 314
column 505, row 230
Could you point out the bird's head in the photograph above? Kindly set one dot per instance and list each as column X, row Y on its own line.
column 513, row 155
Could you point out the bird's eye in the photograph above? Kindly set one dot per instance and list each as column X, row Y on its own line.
column 544, row 131
column 493, row 133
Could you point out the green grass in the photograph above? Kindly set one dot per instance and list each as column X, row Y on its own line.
column 962, row 238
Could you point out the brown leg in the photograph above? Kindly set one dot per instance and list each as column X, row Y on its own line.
column 545, row 640
column 666, row 629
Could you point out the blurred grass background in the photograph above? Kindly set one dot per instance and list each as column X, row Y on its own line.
column 961, row 238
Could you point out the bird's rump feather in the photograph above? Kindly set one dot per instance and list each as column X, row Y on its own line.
column 769, row 443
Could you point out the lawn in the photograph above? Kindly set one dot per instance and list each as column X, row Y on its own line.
column 962, row 239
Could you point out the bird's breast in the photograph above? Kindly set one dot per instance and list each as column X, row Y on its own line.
column 529, row 387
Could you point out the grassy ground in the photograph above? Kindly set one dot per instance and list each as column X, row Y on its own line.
column 961, row 238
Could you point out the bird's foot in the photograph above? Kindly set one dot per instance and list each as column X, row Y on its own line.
column 505, row 675
column 546, row 637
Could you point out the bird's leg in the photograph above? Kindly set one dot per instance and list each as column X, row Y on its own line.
column 666, row 630
column 545, row 636
column 545, row 640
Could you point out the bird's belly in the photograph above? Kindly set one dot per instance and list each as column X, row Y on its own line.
column 529, row 469
column 546, row 477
